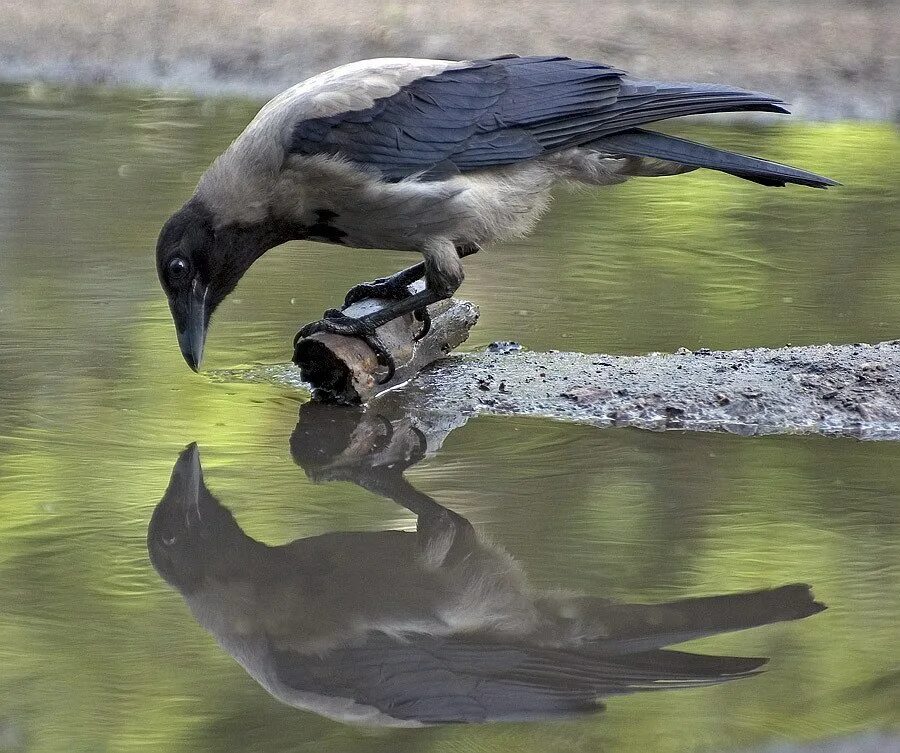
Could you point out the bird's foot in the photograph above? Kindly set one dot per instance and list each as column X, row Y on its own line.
column 393, row 288
column 338, row 323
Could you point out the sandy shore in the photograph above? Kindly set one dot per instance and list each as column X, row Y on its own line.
column 829, row 58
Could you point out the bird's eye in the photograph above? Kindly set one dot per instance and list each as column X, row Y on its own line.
column 178, row 268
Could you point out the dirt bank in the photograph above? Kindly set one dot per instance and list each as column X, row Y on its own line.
column 839, row 390
column 830, row 58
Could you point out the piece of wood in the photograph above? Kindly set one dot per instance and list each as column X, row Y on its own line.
column 342, row 369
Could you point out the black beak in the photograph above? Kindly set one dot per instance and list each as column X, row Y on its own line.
column 191, row 321
column 176, row 525
column 187, row 476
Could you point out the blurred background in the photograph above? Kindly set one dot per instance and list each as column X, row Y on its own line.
column 830, row 58
column 110, row 112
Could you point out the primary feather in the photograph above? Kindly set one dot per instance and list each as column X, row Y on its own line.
column 479, row 678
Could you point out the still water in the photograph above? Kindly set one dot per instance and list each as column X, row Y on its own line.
column 99, row 653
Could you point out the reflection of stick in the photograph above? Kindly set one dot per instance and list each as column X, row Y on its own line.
column 369, row 448
column 344, row 369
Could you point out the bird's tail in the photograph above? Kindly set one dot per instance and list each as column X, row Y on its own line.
column 638, row 142
column 628, row 628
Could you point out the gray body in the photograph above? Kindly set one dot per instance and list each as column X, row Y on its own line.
column 254, row 178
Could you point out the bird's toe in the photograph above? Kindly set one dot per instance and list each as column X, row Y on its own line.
column 386, row 288
column 424, row 316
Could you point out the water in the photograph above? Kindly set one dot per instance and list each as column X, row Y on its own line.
column 97, row 653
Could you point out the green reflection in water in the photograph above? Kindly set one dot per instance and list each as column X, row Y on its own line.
column 97, row 654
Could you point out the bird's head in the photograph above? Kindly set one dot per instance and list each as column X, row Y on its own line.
column 192, row 537
column 199, row 263
column 186, row 261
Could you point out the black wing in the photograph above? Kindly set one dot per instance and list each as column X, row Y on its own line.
column 501, row 111
column 439, row 680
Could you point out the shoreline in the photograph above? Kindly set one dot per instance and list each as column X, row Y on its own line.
column 848, row 390
column 829, row 59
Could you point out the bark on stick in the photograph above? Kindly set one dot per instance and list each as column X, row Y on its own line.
column 345, row 370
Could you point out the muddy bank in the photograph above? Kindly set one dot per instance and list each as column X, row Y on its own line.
column 830, row 58
column 836, row 390
column 862, row 742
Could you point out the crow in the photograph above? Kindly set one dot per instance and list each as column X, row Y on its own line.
column 405, row 629
column 434, row 156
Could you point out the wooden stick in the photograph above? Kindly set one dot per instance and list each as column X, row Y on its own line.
column 345, row 370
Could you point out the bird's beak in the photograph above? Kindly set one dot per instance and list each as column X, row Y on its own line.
column 191, row 321
column 187, row 476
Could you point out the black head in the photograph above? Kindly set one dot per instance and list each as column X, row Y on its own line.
column 192, row 537
column 184, row 253
column 199, row 264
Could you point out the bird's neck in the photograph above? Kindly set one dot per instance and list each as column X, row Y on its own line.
column 245, row 243
column 256, row 238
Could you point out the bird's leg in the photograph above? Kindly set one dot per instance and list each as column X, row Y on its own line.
column 443, row 273
column 396, row 286
column 444, row 537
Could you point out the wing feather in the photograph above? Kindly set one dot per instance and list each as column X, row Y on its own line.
column 438, row 680
column 501, row 111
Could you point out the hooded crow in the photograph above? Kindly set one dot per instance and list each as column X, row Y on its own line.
column 438, row 157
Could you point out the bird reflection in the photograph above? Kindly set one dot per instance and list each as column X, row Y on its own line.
column 434, row 626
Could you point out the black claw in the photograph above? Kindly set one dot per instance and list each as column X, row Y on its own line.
column 424, row 316
column 384, row 358
column 338, row 323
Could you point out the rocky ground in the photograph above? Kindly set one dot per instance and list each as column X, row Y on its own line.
column 837, row 390
column 830, row 58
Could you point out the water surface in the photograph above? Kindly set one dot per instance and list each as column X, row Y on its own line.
column 98, row 653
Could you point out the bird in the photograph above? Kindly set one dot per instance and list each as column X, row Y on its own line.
column 438, row 157
column 436, row 626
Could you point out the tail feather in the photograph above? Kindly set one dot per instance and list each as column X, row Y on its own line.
column 638, row 142
column 630, row 628
column 591, row 666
